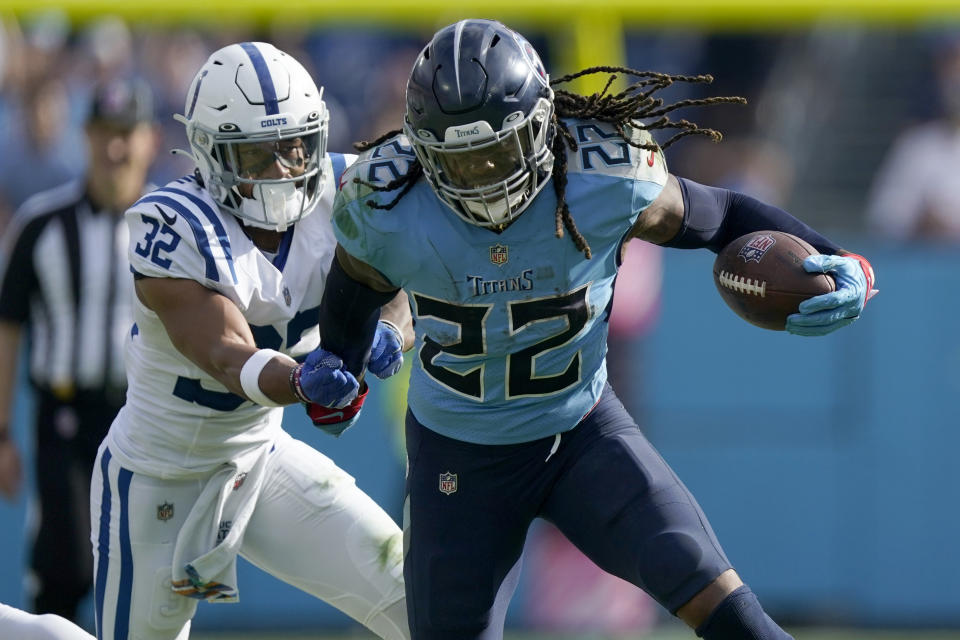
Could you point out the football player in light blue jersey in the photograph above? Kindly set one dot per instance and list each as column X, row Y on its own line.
column 510, row 414
column 229, row 270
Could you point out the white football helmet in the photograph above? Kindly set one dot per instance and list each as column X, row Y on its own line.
column 257, row 127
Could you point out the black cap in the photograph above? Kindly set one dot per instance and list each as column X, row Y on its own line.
column 123, row 102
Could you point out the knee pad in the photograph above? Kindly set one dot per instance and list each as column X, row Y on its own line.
column 154, row 611
column 168, row 610
column 390, row 622
column 678, row 561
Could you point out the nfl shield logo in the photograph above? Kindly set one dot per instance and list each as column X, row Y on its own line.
column 448, row 483
column 164, row 511
column 499, row 254
column 756, row 248
column 238, row 481
column 286, row 296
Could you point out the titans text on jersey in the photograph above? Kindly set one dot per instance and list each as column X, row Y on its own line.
column 482, row 286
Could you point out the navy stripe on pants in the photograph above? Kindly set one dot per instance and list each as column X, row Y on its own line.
column 121, row 625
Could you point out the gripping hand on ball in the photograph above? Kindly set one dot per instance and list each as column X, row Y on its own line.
column 828, row 312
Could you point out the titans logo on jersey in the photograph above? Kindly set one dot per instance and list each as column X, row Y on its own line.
column 506, row 322
column 179, row 232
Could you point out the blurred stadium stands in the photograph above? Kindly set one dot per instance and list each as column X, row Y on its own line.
column 828, row 467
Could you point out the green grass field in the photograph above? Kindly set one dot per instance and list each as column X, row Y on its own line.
column 673, row 634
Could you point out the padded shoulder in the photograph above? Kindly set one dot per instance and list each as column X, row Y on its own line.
column 603, row 151
column 177, row 231
column 378, row 166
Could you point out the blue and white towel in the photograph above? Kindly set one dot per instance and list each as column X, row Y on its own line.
column 205, row 554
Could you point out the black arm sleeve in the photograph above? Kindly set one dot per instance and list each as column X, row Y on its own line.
column 714, row 217
column 349, row 311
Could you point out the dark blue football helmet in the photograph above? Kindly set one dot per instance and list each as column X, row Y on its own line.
column 479, row 110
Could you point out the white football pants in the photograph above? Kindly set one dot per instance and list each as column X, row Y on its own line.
column 312, row 528
column 20, row 625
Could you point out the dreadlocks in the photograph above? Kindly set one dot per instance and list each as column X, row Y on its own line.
column 620, row 109
column 626, row 108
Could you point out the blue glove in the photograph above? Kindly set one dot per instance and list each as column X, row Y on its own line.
column 386, row 355
column 825, row 313
column 324, row 381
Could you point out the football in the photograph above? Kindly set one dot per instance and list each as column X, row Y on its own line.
column 760, row 276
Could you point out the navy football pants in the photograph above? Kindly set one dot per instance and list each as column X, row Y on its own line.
column 606, row 488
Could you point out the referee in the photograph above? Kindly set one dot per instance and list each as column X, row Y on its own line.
column 65, row 279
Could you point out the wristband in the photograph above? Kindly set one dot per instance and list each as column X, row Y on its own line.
column 250, row 376
column 867, row 272
column 396, row 330
column 295, row 387
column 336, row 421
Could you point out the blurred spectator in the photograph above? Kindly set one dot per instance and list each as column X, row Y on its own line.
column 636, row 308
column 41, row 148
column 916, row 193
column 65, row 275
column 12, row 63
column 169, row 60
column 109, row 45
column 46, row 35
column 389, row 92
column 381, row 60
column 570, row 594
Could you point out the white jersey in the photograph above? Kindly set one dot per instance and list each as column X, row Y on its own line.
column 178, row 420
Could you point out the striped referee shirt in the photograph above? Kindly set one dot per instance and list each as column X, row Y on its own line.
column 64, row 274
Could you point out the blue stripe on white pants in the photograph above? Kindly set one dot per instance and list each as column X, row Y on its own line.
column 121, row 613
column 103, row 541
column 133, row 544
column 110, row 513
column 122, row 622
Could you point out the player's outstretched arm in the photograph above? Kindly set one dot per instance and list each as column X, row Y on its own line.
column 353, row 332
column 357, row 302
column 394, row 333
column 688, row 215
column 210, row 330
column 395, row 311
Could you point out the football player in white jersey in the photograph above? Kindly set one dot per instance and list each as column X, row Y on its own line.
column 15, row 623
column 229, row 266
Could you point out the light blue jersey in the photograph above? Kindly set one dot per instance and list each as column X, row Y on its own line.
column 511, row 327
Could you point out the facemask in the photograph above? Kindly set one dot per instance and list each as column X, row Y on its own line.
column 274, row 206
column 497, row 211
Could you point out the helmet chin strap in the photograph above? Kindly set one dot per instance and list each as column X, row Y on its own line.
column 497, row 212
column 282, row 204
